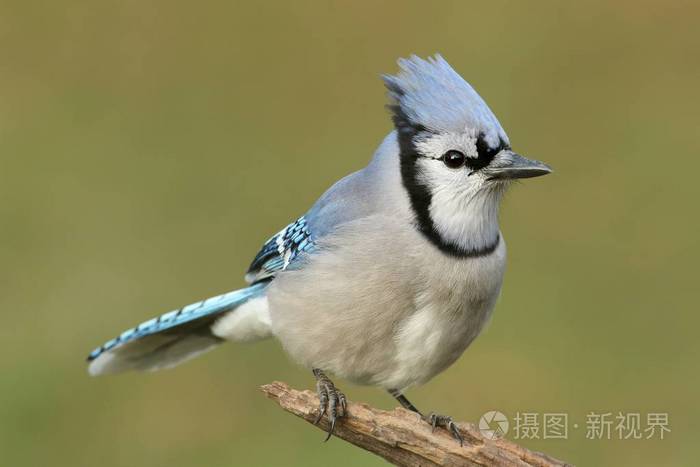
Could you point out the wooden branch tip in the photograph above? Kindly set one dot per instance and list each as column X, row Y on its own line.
column 402, row 438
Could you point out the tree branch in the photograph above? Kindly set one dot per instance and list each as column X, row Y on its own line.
column 400, row 437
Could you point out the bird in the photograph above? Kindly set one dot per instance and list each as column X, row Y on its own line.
column 391, row 274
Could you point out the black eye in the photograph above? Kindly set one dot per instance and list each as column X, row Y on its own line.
column 453, row 159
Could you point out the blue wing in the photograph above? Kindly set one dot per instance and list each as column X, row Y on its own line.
column 170, row 338
column 280, row 251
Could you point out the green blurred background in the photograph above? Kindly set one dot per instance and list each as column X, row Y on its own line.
column 147, row 149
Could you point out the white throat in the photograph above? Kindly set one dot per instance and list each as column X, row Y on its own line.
column 467, row 218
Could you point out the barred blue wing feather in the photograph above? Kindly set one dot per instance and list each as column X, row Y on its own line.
column 170, row 338
column 280, row 251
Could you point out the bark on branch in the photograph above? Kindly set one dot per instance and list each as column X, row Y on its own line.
column 401, row 438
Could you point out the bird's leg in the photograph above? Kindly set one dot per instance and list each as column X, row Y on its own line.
column 434, row 419
column 330, row 399
column 405, row 403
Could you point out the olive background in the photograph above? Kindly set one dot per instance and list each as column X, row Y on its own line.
column 148, row 149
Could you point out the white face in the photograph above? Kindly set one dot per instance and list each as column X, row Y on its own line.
column 464, row 202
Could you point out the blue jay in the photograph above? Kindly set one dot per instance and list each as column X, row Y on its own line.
column 391, row 274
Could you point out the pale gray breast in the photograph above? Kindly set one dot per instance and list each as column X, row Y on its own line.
column 352, row 309
column 449, row 314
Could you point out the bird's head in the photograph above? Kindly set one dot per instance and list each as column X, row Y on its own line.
column 456, row 159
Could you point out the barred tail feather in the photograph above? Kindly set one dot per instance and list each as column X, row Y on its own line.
column 180, row 335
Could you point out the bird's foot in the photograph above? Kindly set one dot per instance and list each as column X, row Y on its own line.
column 331, row 400
column 446, row 422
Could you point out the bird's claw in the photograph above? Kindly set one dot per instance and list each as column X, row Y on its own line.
column 330, row 399
column 446, row 422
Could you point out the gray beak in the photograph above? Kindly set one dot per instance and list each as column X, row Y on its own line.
column 509, row 165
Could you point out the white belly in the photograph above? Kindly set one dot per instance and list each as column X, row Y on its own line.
column 393, row 323
column 434, row 337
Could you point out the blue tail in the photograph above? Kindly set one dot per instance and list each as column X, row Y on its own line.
column 171, row 338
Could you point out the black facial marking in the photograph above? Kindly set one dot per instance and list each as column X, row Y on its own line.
column 419, row 194
column 485, row 153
